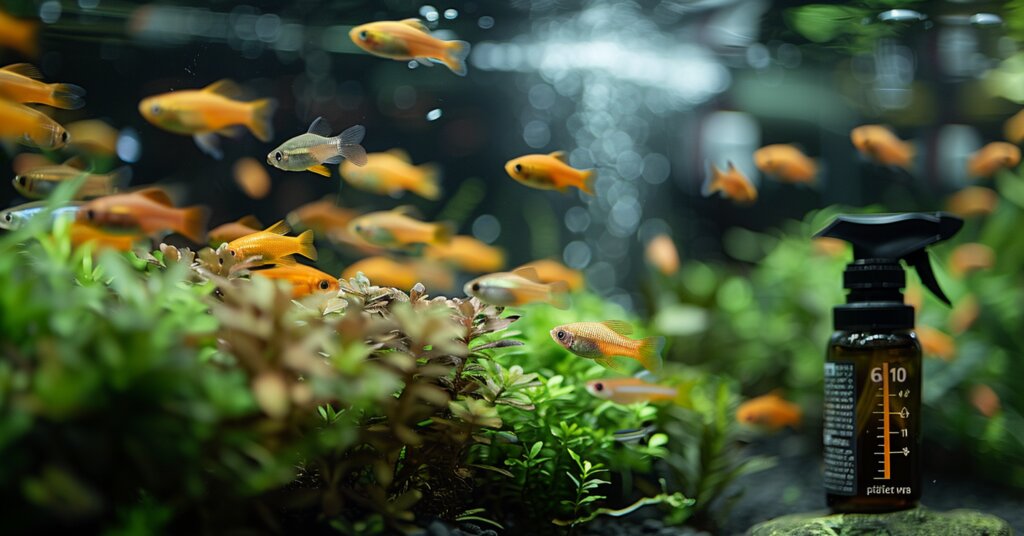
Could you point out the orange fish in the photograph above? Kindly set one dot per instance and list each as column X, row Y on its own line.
column 20, row 82
column 271, row 246
column 252, row 177
column 973, row 201
column 770, row 411
column 985, row 400
column 149, row 210
column 603, row 341
column 935, row 343
column 40, row 182
column 387, row 272
column 1013, row 128
column 83, row 233
column 991, row 158
column 410, row 39
column 964, row 314
column 305, row 280
column 549, row 271
column 30, row 127
column 517, row 288
column 786, row 163
column 662, row 254
column 632, row 391
column 550, row 172
column 391, row 173
column 830, row 247
column 395, row 229
column 93, row 136
column 732, row 183
column 881, row 146
column 207, row 112
column 970, row 257
column 323, row 216
column 19, row 34
column 468, row 254
column 227, row 232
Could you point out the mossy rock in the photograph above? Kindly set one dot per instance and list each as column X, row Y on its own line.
column 916, row 522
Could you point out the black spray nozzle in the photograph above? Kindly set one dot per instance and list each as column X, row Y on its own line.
column 891, row 237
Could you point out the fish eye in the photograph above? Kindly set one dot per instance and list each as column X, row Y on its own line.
column 278, row 156
column 7, row 217
column 232, row 252
column 155, row 109
column 359, row 228
column 476, row 287
column 561, row 337
column 64, row 136
column 90, row 214
column 518, row 168
column 363, row 36
column 599, row 387
column 20, row 180
column 324, row 284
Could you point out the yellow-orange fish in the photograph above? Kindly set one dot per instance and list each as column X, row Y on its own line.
column 387, row 272
column 84, row 233
column 732, row 183
column 391, row 173
column 985, row 400
column 271, row 246
column 21, row 82
column 549, row 271
column 207, row 112
column 973, row 201
column 971, row 257
column 31, row 127
column 518, row 287
column 251, row 177
column 550, row 172
column 410, row 39
column 991, row 158
column 233, row 230
column 830, row 247
column 881, row 146
column 1013, row 128
column 603, row 341
column 305, row 280
column 19, row 34
column 632, row 391
column 935, row 343
column 40, row 182
column 148, row 210
column 93, row 137
column 964, row 314
column 770, row 411
column 323, row 216
column 468, row 254
column 786, row 163
column 661, row 253
column 395, row 229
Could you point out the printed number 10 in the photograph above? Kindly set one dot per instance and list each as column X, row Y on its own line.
column 897, row 374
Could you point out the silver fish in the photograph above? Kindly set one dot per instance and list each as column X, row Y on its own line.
column 310, row 151
column 16, row 217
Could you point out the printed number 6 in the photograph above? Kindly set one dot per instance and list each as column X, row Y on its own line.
column 876, row 375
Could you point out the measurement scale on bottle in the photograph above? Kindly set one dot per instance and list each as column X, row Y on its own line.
column 890, row 433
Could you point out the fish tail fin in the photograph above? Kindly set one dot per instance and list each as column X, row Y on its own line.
column 306, row 247
column 443, row 232
column 262, row 121
column 587, row 185
column 193, row 223
column 649, row 353
column 67, row 96
column 430, row 186
column 559, row 294
column 455, row 53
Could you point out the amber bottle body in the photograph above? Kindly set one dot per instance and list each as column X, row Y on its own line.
column 872, row 434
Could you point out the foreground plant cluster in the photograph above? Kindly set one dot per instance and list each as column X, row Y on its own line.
column 144, row 392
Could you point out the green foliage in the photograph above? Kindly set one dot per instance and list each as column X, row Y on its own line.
column 851, row 26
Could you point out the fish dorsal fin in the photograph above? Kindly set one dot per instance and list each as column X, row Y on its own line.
column 76, row 162
column 399, row 154
column 619, row 326
column 280, row 228
column 416, row 24
column 320, row 127
column 560, row 156
column 250, row 221
column 24, row 69
column 528, row 272
column 407, row 210
column 730, row 166
column 225, row 88
column 156, row 195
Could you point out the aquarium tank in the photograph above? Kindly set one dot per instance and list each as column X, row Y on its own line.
column 511, row 267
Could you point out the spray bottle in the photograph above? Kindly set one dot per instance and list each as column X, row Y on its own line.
column 872, row 433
